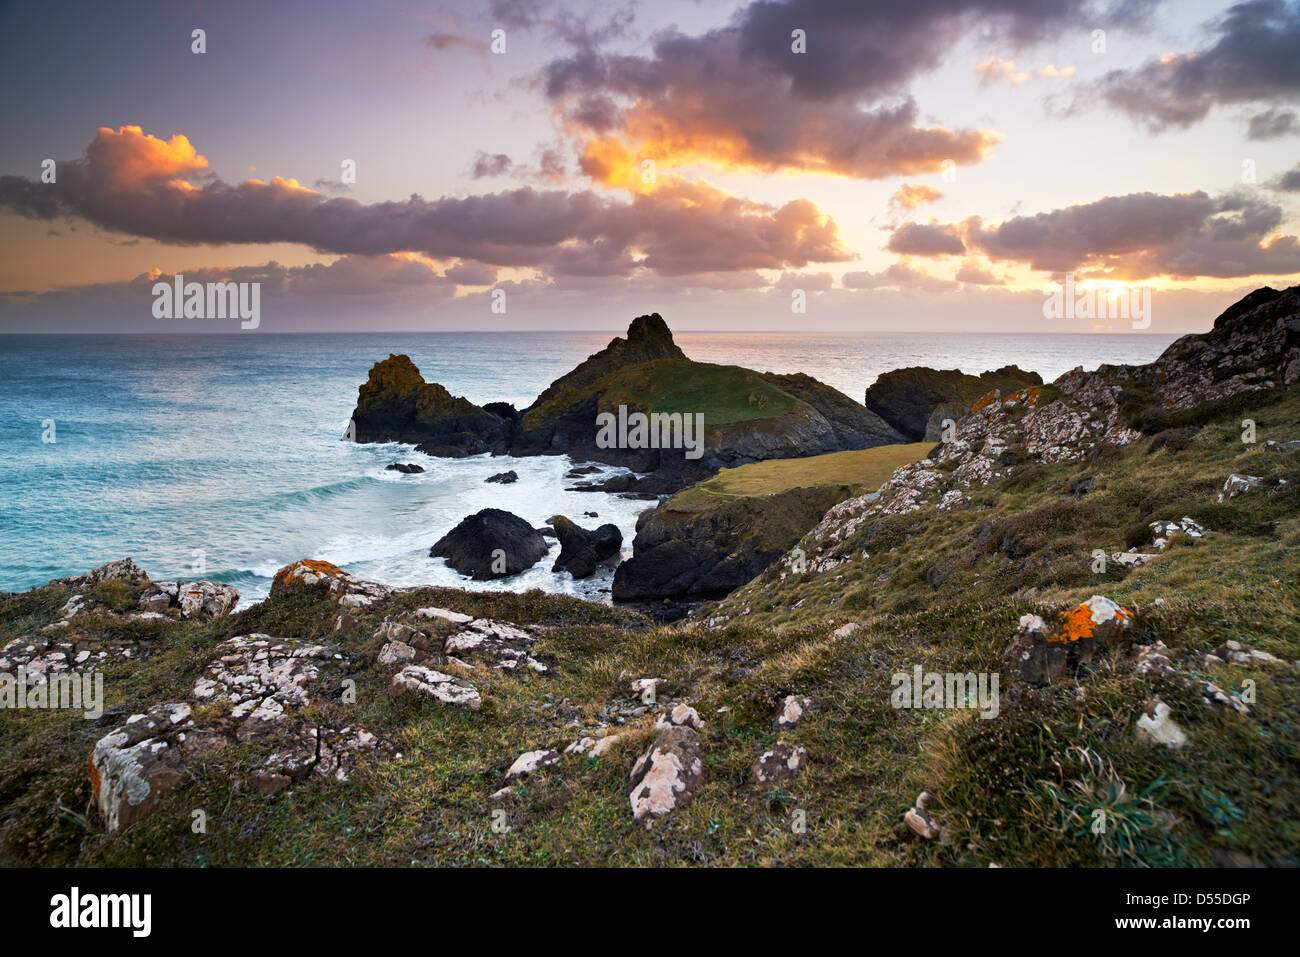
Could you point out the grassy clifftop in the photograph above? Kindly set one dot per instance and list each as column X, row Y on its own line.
column 856, row 469
column 723, row 394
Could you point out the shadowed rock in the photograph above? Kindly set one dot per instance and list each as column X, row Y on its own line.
column 491, row 544
column 907, row 398
column 582, row 550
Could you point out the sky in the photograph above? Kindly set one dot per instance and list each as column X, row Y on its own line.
column 830, row 165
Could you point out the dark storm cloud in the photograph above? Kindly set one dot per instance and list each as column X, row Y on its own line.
column 740, row 96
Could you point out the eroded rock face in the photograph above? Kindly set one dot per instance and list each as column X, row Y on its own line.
column 262, row 678
column 491, row 544
column 667, row 776
column 678, row 554
column 1255, row 345
column 265, row 683
column 351, row 592
column 907, row 398
column 396, row 405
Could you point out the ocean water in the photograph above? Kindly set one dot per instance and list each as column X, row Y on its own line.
column 220, row 456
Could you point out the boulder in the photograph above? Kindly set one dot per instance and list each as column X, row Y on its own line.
column 531, row 761
column 791, row 710
column 1041, row 654
column 406, row 468
column 582, row 550
column 350, row 591
column 667, row 776
column 196, row 599
column 135, row 766
column 1158, row 727
column 503, row 478
column 444, row 688
column 779, row 764
column 491, row 544
column 123, row 570
column 205, row 599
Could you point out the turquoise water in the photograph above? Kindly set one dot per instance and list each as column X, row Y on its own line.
column 220, row 456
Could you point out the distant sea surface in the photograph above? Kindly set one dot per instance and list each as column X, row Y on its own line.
column 220, row 456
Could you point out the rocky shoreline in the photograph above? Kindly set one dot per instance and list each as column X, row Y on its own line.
column 1112, row 547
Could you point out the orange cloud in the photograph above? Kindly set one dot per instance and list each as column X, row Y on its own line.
column 129, row 157
column 912, row 195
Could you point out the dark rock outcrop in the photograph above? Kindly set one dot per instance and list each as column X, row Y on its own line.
column 906, row 398
column 582, row 550
column 853, row 426
column 406, row 468
column 752, row 415
column 396, row 405
column 694, row 555
column 503, row 478
column 491, row 544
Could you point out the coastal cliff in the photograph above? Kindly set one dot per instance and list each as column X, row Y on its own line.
column 747, row 415
column 1117, row 549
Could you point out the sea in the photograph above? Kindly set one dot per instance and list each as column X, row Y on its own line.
column 221, row 456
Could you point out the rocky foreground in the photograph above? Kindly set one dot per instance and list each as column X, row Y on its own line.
column 1118, row 549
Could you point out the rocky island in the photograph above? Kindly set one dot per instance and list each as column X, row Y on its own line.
column 1111, row 556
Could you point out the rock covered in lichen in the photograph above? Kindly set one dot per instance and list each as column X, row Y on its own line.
column 667, row 776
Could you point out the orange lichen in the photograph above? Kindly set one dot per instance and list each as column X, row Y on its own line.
column 1078, row 624
column 94, row 775
column 985, row 401
column 290, row 573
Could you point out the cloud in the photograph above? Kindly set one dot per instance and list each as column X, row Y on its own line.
column 912, row 195
column 995, row 68
column 131, row 183
column 1288, row 182
column 741, row 97
column 901, row 275
column 918, row 239
column 1145, row 235
column 1254, row 59
column 490, row 164
column 444, row 42
column 1273, row 123
column 975, row 274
